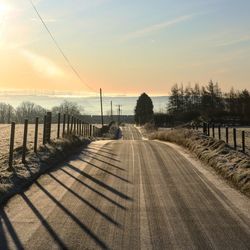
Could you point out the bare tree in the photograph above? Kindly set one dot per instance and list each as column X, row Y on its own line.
column 68, row 108
column 7, row 113
column 29, row 110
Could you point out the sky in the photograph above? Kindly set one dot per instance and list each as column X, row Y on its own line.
column 125, row 47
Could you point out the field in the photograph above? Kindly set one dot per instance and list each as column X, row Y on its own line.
column 5, row 137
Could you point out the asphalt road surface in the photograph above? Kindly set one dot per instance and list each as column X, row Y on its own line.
column 127, row 194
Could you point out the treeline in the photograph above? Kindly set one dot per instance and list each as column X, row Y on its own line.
column 30, row 110
column 206, row 103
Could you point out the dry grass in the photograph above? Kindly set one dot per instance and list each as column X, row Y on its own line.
column 232, row 165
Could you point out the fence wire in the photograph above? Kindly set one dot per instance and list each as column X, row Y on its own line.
column 5, row 131
column 239, row 137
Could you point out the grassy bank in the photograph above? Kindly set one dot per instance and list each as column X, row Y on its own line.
column 234, row 166
column 20, row 176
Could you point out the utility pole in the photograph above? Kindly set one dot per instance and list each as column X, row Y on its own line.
column 119, row 113
column 111, row 111
column 101, row 105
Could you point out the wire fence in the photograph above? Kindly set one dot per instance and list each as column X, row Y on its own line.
column 26, row 137
column 236, row 137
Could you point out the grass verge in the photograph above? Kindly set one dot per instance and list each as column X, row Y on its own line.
column 233, row 165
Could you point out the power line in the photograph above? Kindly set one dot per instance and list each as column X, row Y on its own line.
column 59, row 48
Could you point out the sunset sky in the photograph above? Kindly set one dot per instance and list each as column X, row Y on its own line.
column 124, row 46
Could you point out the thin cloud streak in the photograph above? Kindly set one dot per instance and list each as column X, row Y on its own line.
column 156, row 27
column 233, row 42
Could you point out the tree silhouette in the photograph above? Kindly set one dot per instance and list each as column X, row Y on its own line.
column 209, row 103
column 144, row 109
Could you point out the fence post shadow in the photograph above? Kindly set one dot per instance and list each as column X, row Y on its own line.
column 11, row 230
column 92, row 235
column 100, row 183
column 43, row 221
column 94, row 190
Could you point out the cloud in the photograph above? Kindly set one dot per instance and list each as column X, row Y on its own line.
column 233, row 42
column 156, row 27
column 42, row 65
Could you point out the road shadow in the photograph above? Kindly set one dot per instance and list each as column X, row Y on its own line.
column 103, row 149
column 94, row 190
column 98, row 153
column 44, row 222
column 97, row 210
column 83, row 227
column 105, row 162
column 3, row 240
column 104, row 170
column 100, row 183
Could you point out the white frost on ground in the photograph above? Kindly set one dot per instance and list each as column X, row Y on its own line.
column 5, row 137
column 232, row 165
column 240, row 201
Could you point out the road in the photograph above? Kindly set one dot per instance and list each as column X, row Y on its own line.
column 127, row 194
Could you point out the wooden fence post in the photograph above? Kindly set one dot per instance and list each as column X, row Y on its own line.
column 36, row 135
column 44, row 129
column 64, row 121
column 235, row 139
column 72, row 122
column 87, row 130
column 48, row 126
column 90, row 130
column 243, row 141
column 12, row 140
column 80, row 127
column 58, row 125
column 84, row 130
column 213, row 130
column 219, row 131
column 77, row 126
column 74, row 125
column 68, row 125
column 25, row 133
column 227, row 135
